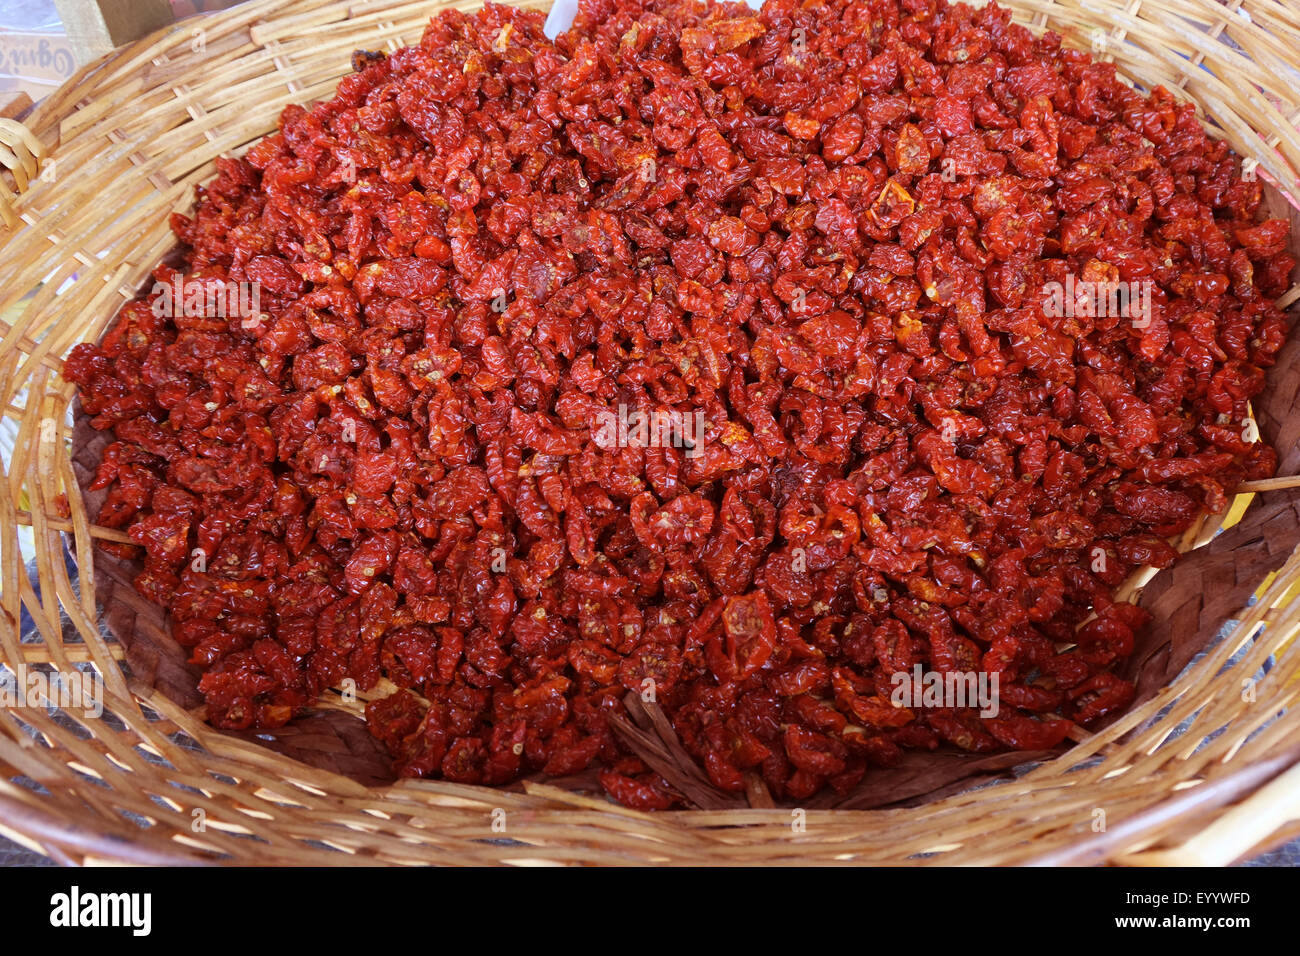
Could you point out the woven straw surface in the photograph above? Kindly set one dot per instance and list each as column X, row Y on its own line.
column 1202, row 769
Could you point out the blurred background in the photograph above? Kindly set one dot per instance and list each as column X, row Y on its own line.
column 36, row 51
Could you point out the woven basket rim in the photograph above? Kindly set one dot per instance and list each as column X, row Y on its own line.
column 264, row 54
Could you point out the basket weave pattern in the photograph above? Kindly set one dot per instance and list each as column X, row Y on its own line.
column 123, row 144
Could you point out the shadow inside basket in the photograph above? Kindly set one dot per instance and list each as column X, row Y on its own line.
column 1189, row 603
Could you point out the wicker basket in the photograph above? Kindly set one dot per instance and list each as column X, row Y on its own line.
column 1204, row 769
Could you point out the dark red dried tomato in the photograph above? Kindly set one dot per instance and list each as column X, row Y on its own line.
column 701, row 353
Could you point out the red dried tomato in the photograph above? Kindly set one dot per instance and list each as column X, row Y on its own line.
column 701, row 352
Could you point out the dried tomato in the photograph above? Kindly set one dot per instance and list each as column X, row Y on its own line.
column 745, row 361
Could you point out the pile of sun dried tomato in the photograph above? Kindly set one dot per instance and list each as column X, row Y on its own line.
column 827, row 226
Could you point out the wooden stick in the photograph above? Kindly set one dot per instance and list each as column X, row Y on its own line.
column 1269, row 484
column 1245, row 824
column 63, row 524
column 14, row 105
column 75, row 653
